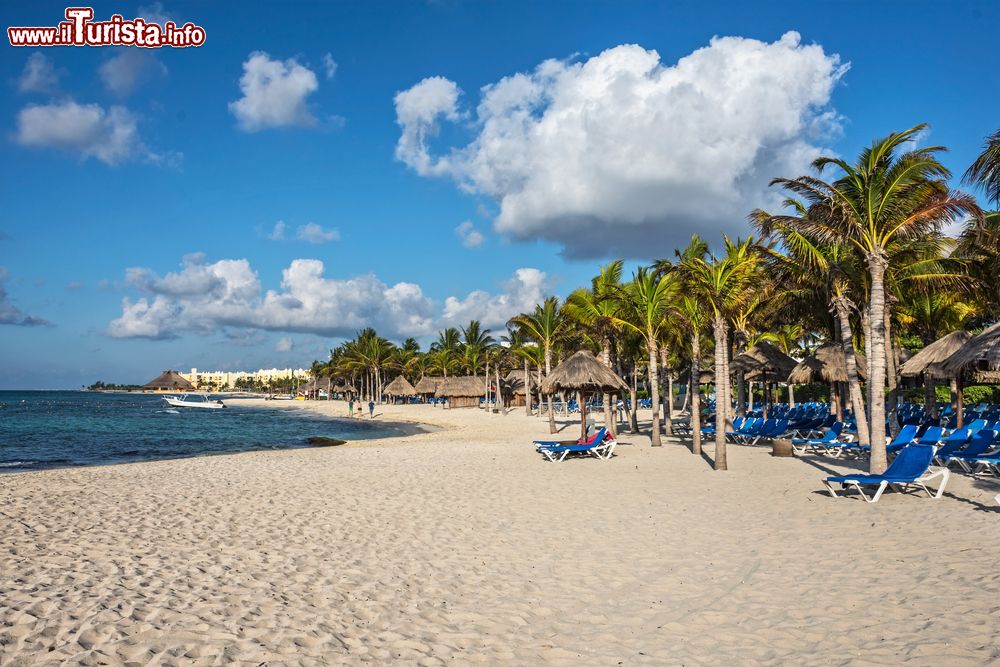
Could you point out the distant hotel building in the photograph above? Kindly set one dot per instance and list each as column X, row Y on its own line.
column 222, row 380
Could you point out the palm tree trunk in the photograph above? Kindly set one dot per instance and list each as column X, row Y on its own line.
column 609, row 421
column 539, row 387
column 876, row 266
column 695, row 395
column 654, row 388
column 668, row 423
column 791, row 395
column 721, row 380
column 633, row 419
column 527, row 388
column 548, row 370
column 890, row 373
column 841, row 306
column 930, row 396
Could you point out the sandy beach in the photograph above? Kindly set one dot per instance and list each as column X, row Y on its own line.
column 463, row 546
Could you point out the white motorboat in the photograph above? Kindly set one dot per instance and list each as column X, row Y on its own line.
column 194, row 401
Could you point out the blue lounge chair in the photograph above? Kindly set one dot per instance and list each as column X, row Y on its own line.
column 600, row 446
column 981, row 443
column 905, row 437
column 912, row 466
column 952, row 445
column 801, row 445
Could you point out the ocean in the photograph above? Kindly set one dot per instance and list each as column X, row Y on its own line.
column 56, row 429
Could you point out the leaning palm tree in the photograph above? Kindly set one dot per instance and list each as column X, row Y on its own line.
column 892, row 191
column 545, row 325
column 644, row 305
column 722, row 284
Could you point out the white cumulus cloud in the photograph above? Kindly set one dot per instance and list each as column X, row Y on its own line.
column 227, row 296
column 39, row 75
column 88, row 130
column 274, row 93
column 284, row 344
column 471, row 237
column 520, row 294
column 623, row 154
column 278, row 233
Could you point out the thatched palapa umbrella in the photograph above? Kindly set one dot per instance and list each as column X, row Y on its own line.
column 582, row 373
column 826, row 364
column 399, row 387
column 979, row 357
column 764, row 363
column 927, row 362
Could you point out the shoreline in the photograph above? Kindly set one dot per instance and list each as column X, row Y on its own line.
column 462, row 545
column 406, row 427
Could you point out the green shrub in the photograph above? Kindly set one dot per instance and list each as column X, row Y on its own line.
column 815, row 392
column 977, row 394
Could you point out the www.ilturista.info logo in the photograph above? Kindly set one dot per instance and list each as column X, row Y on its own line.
column 79, row 29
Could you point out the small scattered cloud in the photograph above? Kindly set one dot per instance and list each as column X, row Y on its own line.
column 471, row 237
column 313, row 233
column 74, row 285
column 330, row 65
column 284, row 345
column 123, row 72
column 274, row 94
column 88, row 131
column 11, row 314
column 39, row 75
column 154, row 13
column 278, row 233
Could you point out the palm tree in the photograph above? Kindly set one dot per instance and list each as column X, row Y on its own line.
column 518, row 344
column 595, row 309
column 447, row 347
column 545, row 326
column 889, row 193
column 644, row 304
column 985, row 171
column 476, row 341
column 722, row 284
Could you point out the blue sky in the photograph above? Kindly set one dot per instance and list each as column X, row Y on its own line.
column 161, row 178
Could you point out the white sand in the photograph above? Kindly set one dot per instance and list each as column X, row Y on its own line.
column 463, row 546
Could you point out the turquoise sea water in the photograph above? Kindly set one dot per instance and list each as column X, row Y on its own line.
column 48, row 429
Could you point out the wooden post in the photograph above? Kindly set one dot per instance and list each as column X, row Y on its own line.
column 583, row 415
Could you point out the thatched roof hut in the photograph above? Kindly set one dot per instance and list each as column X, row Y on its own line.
column 514, row 382
column 764, row 362
column 461, row 392
column 427, row 385
column 400, row 387
column 980, row 357
column 826, row 364
column 583, row 372
column 169, row 381
column 928, row 360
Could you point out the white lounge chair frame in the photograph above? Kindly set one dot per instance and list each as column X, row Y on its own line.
column 943, row 473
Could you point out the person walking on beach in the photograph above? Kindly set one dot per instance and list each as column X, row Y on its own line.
column 350, row 408
column 371, row 409
column 358, row 408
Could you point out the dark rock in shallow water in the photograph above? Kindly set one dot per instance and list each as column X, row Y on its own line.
column 317, row 441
